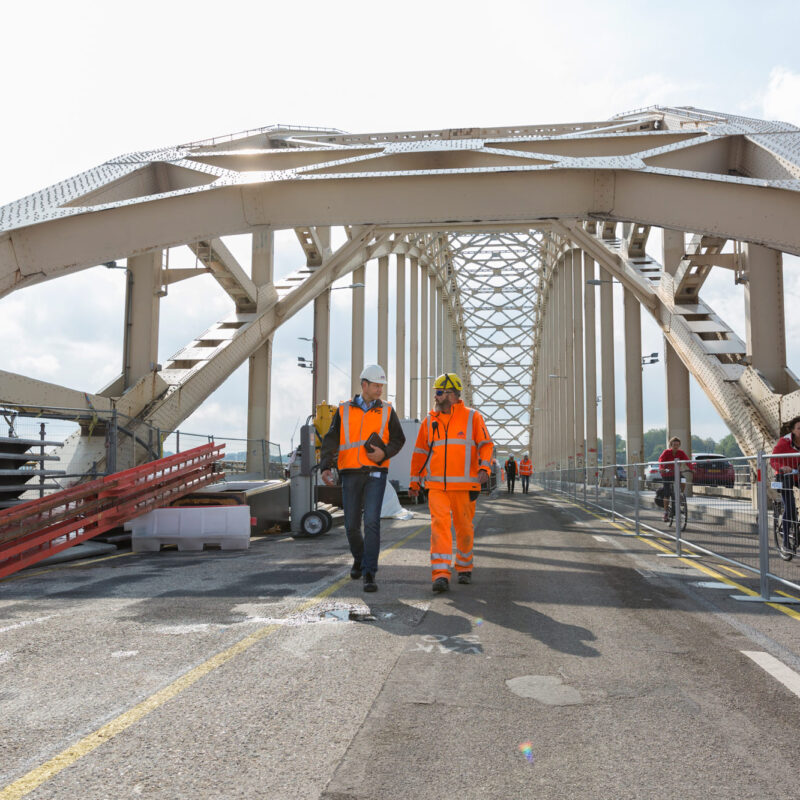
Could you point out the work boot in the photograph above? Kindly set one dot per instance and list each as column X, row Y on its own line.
column 355, row 570
column 369, row 582
column 465, row 577
column 441, row 585
column 666, row 517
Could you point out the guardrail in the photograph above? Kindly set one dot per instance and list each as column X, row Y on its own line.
column 734, row 511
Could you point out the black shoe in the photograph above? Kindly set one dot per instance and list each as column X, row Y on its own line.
column 355, row 570
column 441, row 585
column 465, row 577
column 369, row 582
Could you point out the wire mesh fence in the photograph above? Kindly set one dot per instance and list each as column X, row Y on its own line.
column 743, row 511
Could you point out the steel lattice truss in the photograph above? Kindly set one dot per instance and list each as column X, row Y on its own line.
column 499, row 279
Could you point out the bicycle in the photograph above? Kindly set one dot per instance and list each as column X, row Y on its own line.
column 787, row 550
column 683, row 511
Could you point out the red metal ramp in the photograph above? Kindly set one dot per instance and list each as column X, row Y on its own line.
column 39, row 528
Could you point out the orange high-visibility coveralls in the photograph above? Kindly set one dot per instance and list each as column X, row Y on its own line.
column 459, row 445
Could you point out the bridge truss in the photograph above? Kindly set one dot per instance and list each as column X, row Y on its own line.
column 495, row 218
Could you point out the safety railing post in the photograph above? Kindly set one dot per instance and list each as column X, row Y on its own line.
column 177, row 441
column 613, row 493
column 636, row 498
column 112, row 437
column 763, row 526
column 585, row 483
column 264, row 459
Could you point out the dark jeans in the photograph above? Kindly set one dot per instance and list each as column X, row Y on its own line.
column 510, row 481
column 525, row 479
column 789, row 507
column 362, row 495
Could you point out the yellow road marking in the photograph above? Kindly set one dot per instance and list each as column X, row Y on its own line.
column 690, row 562
column 732, row 570
column 36, row 777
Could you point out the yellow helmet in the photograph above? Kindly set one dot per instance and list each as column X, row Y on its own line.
column 449, row 380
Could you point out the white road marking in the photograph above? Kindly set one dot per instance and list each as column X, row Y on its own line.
column 125, row 653
column 26, row 623
column 788, row 677
column 600, row 538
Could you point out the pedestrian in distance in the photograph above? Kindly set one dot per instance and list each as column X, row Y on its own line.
column 453, row 456
column 525, row 472
column 364, row 434
column 511, row 473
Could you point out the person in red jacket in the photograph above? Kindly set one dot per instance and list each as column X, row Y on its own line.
column 453, row 455
column 786, row 470
column 667, row 468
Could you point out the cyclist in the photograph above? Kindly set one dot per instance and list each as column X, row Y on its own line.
column 667, row 469
column 786, row 469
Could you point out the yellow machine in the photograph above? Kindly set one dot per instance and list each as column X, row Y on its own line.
column 322, row 424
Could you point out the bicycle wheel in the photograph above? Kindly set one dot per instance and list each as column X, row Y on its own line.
column 684, row 513
column 777, row 531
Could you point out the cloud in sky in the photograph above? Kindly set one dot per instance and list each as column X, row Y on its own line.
column 782, row 96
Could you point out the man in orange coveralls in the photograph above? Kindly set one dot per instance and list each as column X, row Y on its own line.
column 454, row 454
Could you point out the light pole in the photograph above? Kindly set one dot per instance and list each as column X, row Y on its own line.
column 651, row 359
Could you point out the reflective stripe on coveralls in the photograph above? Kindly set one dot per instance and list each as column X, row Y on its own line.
column 350, row 448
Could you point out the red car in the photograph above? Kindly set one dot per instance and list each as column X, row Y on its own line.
column 712, row 469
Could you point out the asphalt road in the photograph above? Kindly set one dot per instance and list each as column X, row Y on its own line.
column 578, row 664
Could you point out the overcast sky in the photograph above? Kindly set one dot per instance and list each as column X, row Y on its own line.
column 87, row 81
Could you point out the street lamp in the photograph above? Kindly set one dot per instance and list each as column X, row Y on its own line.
column 651, row 359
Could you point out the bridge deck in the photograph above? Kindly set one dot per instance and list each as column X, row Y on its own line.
column 243, row 675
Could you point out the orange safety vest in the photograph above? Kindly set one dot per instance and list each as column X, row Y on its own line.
column 356, row 426
column 459, row 449
column 526, row 467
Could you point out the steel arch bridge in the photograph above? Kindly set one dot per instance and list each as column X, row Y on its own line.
column 499, row 229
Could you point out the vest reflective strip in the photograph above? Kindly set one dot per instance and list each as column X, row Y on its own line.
column 344, row 409
column 468, row 456
column 440, row 479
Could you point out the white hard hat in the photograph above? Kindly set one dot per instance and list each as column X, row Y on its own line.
column 374, row 373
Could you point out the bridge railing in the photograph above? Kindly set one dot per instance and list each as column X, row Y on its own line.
column 733, row 511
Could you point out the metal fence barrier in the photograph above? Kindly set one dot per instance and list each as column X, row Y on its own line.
column 729, row 508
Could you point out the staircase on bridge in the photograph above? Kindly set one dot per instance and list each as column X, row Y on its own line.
column 19, row 466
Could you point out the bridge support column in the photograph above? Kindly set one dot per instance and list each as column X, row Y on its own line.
column 357, row 333
column 439, row 329
column 673, row 248
column 633, row 381
column 560, row 368
column 400, row 339
column 569, row 361
column 590, row 334
column 432, row 327
column 607, row 376
column 322, row 329
column 678, row 398
column 424, row 329
column 764, row 314
column 577, row 338
column 413, row 342
column 141, row 315
column 383, row 312
column 260, row 363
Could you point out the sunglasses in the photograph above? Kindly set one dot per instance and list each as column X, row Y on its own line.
column 440, row 392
